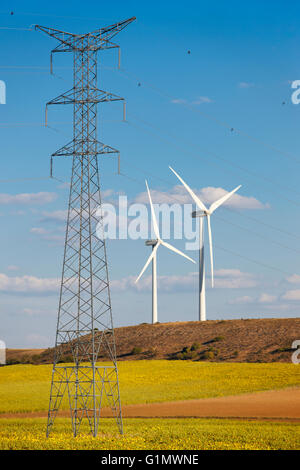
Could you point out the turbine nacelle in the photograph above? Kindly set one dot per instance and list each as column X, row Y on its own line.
column 196, row 214
column 151, row 242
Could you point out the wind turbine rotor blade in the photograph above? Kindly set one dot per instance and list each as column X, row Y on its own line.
column 148, row 261
column 222, row 199
column 172, row 248
column 154, row 221
column 190, row 191
column 210, row 251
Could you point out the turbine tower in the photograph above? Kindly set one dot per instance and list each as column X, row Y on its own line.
column 84, row 327
column 204, row 212
column 155, row 244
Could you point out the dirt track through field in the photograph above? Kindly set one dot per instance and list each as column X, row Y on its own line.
column 271, row 404
column 274, row 404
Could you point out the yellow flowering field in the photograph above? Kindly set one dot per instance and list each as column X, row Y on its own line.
column 26, row 388
column 152, row 434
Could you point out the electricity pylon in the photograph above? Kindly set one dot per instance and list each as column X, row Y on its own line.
column 84, row 327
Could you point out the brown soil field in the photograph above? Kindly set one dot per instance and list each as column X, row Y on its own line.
column 271, row 405
column 248, row 340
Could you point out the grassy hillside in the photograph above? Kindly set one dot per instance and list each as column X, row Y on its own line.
column 253, row 340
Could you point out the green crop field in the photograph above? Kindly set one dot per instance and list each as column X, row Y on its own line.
column 152, row 434
column 25, row 388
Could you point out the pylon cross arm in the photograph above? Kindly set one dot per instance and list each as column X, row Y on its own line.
column 62, row 36
column 96, row 96
column 111, row 31
column 78, row 41
column 75, row 148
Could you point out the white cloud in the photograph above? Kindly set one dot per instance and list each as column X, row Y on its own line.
column 245, row 85
column 211, row 194
column 292, row 295
column 245, row 299
column 165, row 283
column 28, row 284
column 12, row 267
column 207, row 195
column 234, row 279
column 107, row 193
column 280, row 307
column 38, row 230
column 27, row 198
column 202, row 99
column 64, row 185
column 178, row 101
column 199, row 100
column 18, row 212
column 49, row 235
column 267, row 299
column 128, row 283
column 224, row 278
column 31, row 311
column 294, row 279
column 59, row 216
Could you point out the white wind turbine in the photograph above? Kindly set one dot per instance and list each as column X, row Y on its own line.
column 155, row 244
column 204, row 212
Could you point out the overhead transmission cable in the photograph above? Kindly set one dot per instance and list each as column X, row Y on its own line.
column 236, row 211
column 252, row 232
column 157, row 90
column 82, row 18
column 206, row 115
column 171, row 141
column 15, row 180
column 210, row 116
column 259, row 263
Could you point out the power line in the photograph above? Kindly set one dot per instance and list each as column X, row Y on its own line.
column 260, row 222
column 15, row 180
column 157, row 90
column 236, row 211
column 214, row 155
column 82, row 18
column 225, row 124
column 43, row 124
column 16, row 29
column 23, row 124
column 139, row 182
column 185, row 148
column 225, row 220
column 259, row 263
column 219, row 157
column 257, row 234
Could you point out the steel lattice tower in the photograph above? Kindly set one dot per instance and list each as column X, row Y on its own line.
column 84, row 327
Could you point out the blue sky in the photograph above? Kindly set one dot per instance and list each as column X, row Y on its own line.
column 221, row 115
